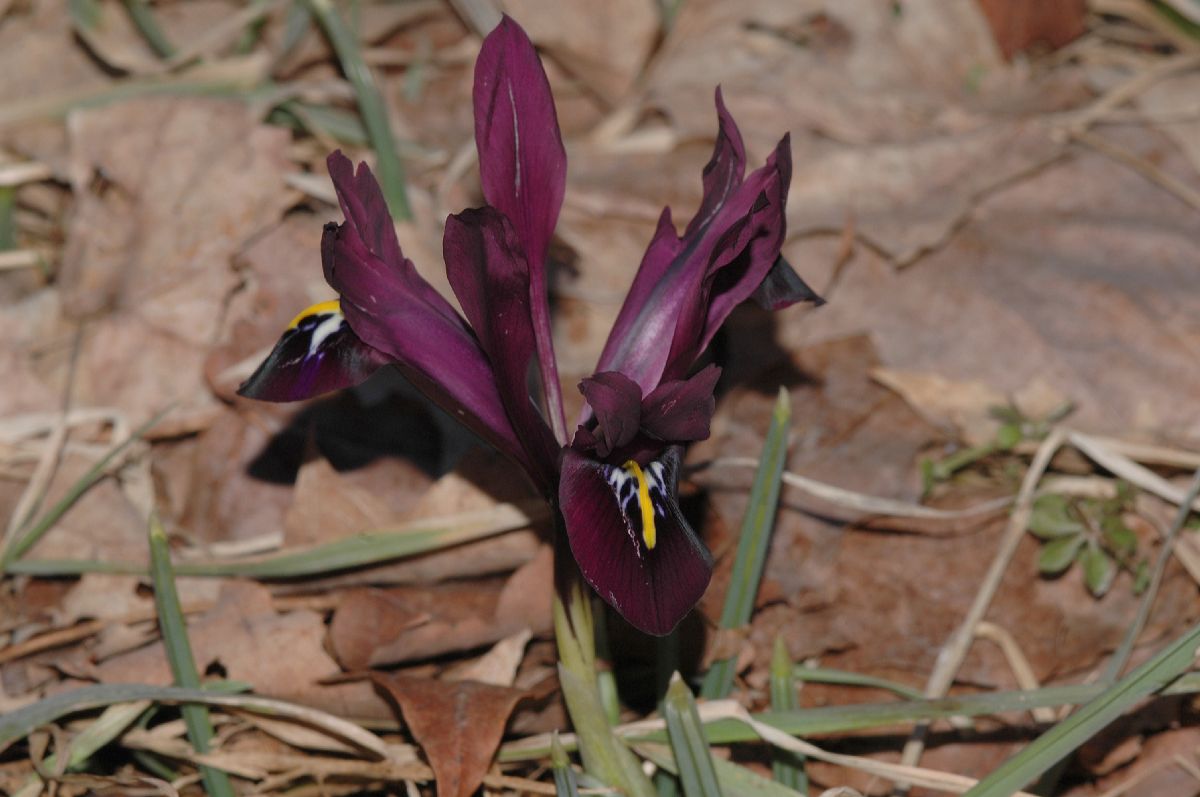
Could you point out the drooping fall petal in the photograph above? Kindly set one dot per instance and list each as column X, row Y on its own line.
column 616, row 401
column 490, row 277
column 681, row 410
column 630, row 540
column 316, row 354
column 393, row 309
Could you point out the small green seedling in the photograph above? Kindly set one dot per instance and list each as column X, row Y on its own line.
column 1093, row 533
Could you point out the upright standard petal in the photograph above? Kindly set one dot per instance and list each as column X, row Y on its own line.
column 393, row 309
column 737, row 261
column 316, row 354
column 523, row 169
column 630, row 540
column 724, row 171
column 522, row 162
column 686, row 287
column 489, row 275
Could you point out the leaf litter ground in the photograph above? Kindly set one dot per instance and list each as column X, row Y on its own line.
column 988, row 232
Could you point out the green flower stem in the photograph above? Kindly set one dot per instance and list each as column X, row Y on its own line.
column 604, row 756
column 370, row 104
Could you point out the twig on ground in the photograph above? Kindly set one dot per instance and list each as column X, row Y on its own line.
column 955, row 650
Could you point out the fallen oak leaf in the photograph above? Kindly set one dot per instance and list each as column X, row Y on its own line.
column 457, row 724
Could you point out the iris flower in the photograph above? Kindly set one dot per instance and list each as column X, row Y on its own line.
column 493, row 368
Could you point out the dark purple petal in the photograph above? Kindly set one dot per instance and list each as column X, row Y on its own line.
column 522, row 163
column 318, row 353
column 783, row 287
column 767, row 225
column 489, row 275
column 653, row 587
column 680, row 411
column 523, row 168
column 616, row 401
column 641, row 336
column 364, row 207
column 393, row 309
column 685, row 287
column 724, row 171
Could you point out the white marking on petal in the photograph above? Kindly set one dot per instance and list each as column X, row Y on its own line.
column 323, row 330
column 516, row 142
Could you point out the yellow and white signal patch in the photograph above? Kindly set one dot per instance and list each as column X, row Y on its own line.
column 318, row 322
column 641, row 493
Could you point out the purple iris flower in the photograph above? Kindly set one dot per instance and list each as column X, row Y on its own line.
column 494, row 370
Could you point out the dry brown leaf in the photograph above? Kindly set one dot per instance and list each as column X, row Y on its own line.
column 381, row 627
column 103, row 524
column 1041, row 284
column 204, row 496
column 168, row 190
column 603, row 44
column 1019, row 25
column 327, row 507
column 457, row 724
column 854, row 71
column 245, row 639
column 527, row 595
column 460, row 618
column 1177, row 96
column 38, row 58
column 962, row 407
column 366, row 619
column 848, row 590
column 498, row 666
column 908, row 197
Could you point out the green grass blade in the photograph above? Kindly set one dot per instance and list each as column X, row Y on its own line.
column 1069, row 734
column 108, row 726
column 236, row 78
column 24, row 541
column 335, row 123
column 8, row 219
column 686, row 735
column 361, row 550
column 370, row 104
column 787, row 767
column 825, row 675
column 179, row 656
column 752, row 547
column 734, row 779
column 565, row 784
column 826, row 720
column 147, row 24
